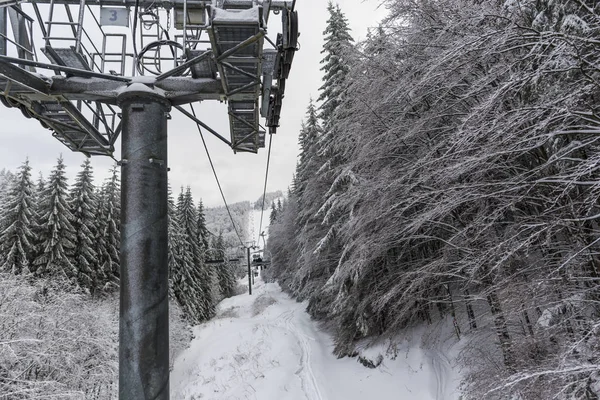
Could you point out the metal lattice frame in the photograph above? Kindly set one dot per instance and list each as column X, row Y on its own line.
column 218, row 54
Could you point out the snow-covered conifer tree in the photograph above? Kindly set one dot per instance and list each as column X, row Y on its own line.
column 109, row 233
column 273, row 215
column 188, row 219
column 201, row 294
column 338, row 43
column 57, row 235
column 17, row 224
column 310, row 133
column 40, row 187
column 179, row 281
column 84, row 207
column 309, row 163
column 225, row 272
column 203, row 234
column 6, row 180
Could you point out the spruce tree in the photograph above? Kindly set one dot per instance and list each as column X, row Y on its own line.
column 220, row 246
column 40, row 187
column 109, row 235
column 338, row 50
column 338, row 42
column 188, row 219
column 203, row 234
column 84, row 206
column 201, row 294
column 100, row 243
column 308, row 141
column 178, row 281
column 6, row 181
column 6, row 178
column 326, row 197
column 225, row 270
column 17, row 224
column 273, row 216
column 57, row 232
column 309, row 159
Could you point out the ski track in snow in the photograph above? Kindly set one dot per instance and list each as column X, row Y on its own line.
column 309, row 381
column 238, row 368
column 441, row 368
column 266, row 347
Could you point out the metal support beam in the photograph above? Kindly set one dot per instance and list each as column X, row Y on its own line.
column 243, row 88
column 179, row 90
column 249, row 273
column 23, row 78
column 144, row 316
column 202, row 124
column 79, row 31
column 74, row 71
column 18, row 20
column 243, row 121
column 184, row 66
column 3, row 31
column 242, row 140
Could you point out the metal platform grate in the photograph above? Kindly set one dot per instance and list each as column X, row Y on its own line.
column 240, row 68
column 207, row 68
column 67, row 57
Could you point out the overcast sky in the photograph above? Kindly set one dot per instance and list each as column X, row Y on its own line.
column 241, row 175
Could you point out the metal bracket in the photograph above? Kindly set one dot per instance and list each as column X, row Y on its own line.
column 153, row 160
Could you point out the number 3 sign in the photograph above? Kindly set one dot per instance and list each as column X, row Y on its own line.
column 114, row 16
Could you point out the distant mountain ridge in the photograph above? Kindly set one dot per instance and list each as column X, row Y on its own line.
column 269, row 198
column 218, row 221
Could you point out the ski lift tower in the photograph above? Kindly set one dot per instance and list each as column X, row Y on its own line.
column 106, row 69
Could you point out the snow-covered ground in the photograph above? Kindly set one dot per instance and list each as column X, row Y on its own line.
column 265, row 346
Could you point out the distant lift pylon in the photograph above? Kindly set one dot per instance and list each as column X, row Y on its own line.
column 174, row 53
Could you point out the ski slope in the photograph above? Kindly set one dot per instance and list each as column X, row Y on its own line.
column 265, row 346
column 254, row 227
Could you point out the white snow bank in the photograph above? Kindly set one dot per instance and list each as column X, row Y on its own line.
column 266, row 347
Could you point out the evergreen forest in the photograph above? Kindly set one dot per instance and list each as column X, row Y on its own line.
column 59, row 281
column 449, row 168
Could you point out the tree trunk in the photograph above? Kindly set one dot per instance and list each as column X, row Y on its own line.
column 527, row 320
column 501, row 329
column 470, row 312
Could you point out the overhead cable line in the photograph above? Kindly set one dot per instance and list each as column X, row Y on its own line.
column 217, row 178
column 134, row 30
column 262, row 209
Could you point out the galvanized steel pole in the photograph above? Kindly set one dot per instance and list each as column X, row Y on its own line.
column 249, row 273
column 144, row 314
